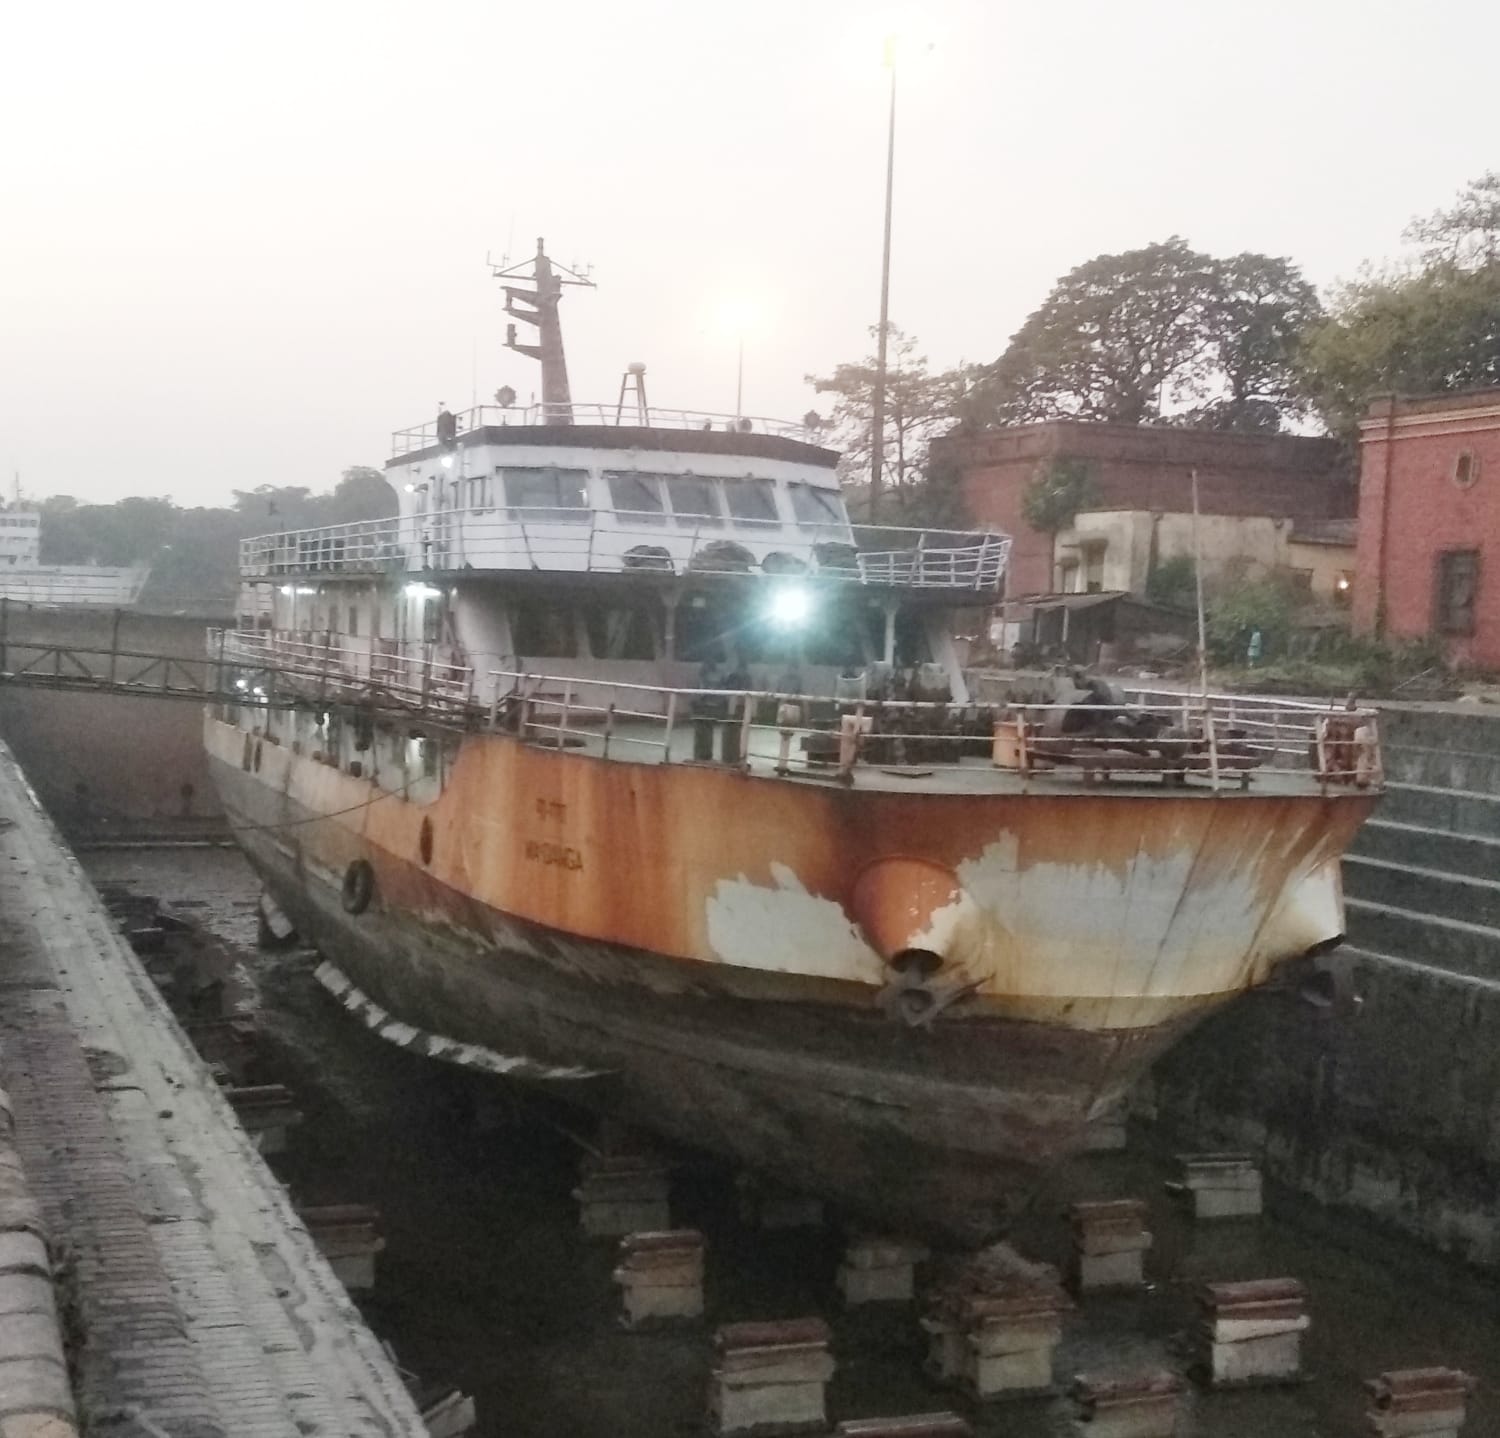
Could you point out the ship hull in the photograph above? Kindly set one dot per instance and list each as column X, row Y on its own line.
column 796, row 1070
column 946, row 1133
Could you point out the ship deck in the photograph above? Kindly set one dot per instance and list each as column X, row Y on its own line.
column 645, row 741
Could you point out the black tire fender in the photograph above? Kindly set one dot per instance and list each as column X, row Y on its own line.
column 359, row 887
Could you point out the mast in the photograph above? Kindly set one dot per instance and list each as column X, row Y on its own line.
column 538, row 306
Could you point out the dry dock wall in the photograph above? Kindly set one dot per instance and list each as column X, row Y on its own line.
column 107, row 762
column 1387, row 1101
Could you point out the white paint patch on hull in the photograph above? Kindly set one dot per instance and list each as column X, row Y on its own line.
column 788, row 930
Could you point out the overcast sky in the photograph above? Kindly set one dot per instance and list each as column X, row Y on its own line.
column 240, row 244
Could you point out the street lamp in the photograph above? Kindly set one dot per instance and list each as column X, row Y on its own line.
column 877, row 409
column 894, row 43
column 736, row 316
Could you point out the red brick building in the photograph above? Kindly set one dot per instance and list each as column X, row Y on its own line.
column 1143, row 468
column 1429, row 522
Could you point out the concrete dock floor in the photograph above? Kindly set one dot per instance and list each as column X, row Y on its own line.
column 194, row 1303
column 486, row 1282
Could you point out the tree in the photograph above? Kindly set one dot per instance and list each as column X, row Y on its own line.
column 919, row 404
column 1162, row 332
column 1253, row 329
column 1116, row 337
column 1468, row 234
column 1052, row 500
column 1423, row 326
column 1422, row 332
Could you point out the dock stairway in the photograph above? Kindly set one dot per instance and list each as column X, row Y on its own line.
column 1422, row 880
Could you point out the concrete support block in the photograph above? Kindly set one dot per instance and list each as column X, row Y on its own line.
column 880, row 1270
column 1251, row 1333
column 765, row 1204
column 265, row 1112
column 912, row 1425
column 661, row 1276
column 450, row 1416
column 620, row 1193
column 770, row 1378
column 1109, row 1245
column 1418, row 1403
column 226, row 1043
column 348, row 1236
column 994, row 1325
column 1107, row 1131
column 1143, row 1405
column 1219, row 1185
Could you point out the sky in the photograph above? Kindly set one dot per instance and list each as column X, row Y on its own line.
column 241, row 244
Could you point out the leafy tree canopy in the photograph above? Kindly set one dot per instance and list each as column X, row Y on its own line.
column 193, row 552
column 919, row 404
column 1430, row 325
column 1156, row 332
column 1052, row 500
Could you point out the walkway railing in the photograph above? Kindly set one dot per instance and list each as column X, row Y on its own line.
column 425, row 436
column 602, row 541
column 1221, row 739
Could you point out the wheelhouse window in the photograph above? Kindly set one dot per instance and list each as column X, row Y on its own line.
column 547, row 494
column 1457, row 588
column 814, row 506
column 636, row 497
column 479, row 492
column 693, row 499
column 751, row 501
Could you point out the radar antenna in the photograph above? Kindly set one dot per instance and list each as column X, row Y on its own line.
column 538, row 306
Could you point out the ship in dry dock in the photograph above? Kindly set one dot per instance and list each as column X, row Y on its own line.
column 620, row 761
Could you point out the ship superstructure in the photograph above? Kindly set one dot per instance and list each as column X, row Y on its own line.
column 620, row 759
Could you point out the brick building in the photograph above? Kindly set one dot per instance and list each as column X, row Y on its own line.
column 1253, row 490
column 1429, row 522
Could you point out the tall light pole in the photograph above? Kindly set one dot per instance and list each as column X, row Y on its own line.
column 877, row 409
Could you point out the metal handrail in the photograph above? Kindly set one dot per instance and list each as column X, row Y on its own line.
column 592, row 540
column 425, row 436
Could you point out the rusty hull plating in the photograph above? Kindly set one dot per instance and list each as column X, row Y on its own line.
column 931, row 991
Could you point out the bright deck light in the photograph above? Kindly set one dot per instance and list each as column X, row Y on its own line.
column 790, row 607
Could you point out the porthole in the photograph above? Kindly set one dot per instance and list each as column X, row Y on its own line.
column 424, row 841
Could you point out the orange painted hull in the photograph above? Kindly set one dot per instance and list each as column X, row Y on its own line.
column 719, row 942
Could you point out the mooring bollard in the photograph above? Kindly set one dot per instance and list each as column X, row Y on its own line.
column 879, row 1270
column 623, row 1193
column 661, row 1276
column 1251, row 1333
column 913, row 1425
column 348, row 1236
column 1418, row 1403
column 1220, row 1185
column 265, row 1112
column 763, row 1203
column 995, row 1324
column 1110, row 1240
column 1143, row 1405
column 770, row 1377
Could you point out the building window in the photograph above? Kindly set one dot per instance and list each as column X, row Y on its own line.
column 1457, row 587
column 1465, row 468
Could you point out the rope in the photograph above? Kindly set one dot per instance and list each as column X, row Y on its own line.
column 318, row 818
